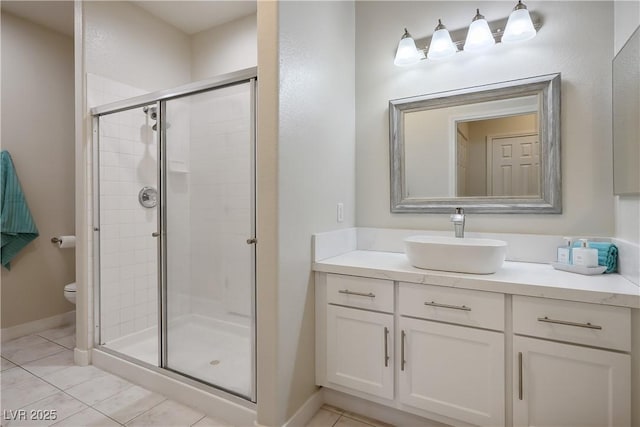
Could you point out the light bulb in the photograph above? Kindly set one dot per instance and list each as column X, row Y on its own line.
column 441, row 45
column 519, row 26
column 407, row 53
column 479, row 36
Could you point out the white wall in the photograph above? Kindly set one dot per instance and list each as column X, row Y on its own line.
column 315, row 169
column 225, row 48
column 306, row 157
column 37, row 129
column 127, row 44
column 585, row 64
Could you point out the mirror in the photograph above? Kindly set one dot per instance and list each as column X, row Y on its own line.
column 493, row 148
column 626, row 111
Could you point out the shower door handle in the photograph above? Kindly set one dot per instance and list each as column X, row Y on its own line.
column 155, row 234
column 252, row 241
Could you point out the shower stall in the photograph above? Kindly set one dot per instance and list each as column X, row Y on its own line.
column 174, row 232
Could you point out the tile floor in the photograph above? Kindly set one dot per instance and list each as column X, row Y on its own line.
column 39, row 380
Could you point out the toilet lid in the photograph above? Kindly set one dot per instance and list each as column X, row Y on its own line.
column 71, row 287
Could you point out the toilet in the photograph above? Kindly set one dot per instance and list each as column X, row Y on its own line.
column 70, row 292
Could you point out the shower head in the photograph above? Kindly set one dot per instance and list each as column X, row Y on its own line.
column 152, row 112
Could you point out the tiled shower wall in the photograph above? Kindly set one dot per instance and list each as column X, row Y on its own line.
column 128, row 252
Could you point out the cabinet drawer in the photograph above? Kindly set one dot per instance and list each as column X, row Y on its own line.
column 372, row 294
column 575, row 322
column 461, row 306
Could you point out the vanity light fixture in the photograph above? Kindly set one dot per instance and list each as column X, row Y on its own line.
column 407, row 53
column 441, row 44
column 479, row 36
column 519, row 27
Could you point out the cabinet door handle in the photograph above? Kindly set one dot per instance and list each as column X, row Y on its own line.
column 386, row 347
column 402, row 361
column 564, row 322
column 359, row 294
column 454, row 307
column 520, row 393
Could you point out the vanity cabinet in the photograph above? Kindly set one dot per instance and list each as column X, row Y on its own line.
column 451, row 369
column 568, row 384
column 359, row 347
column 359, row 334
column 474, row 358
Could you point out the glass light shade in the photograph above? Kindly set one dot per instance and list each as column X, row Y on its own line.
column 519, row 27
column 441, row 45
column 407, row 53
column 479, row 36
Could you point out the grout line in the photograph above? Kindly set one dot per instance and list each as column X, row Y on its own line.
column 157, row 404
column 360, row 421
column 203, row 417
column 63, row 348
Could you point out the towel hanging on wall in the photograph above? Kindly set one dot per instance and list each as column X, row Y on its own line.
column 16, row 223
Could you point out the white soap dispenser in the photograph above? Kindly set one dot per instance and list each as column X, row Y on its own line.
column 584, row 255
column 564, row 252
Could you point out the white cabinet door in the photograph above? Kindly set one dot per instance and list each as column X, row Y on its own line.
column 359, row 350
column 453, row 371
column 564, row 385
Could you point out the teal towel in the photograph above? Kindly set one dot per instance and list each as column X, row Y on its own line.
column 16, row 224
column 607, row 254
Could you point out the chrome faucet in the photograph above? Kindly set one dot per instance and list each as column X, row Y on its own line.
column 458, row 222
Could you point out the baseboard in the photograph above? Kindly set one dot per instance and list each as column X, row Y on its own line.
column 304, row 414
column 17, row 331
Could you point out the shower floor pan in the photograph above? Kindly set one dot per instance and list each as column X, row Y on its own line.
column 216, row 352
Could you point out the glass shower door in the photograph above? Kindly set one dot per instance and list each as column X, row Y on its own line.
column 126, row 252
column 208, row 229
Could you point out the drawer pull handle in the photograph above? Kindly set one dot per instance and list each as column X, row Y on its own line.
column 386, row 347
column 403, row 336
column 564, row 322
column 520, row 391
column 359, row 294
column 454, row 307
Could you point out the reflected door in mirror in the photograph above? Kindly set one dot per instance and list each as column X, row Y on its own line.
column 498, row 157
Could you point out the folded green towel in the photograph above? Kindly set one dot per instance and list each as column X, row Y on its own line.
column 17, row 228
column 607, row 254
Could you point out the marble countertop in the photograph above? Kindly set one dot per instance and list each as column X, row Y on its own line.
column 517, row 278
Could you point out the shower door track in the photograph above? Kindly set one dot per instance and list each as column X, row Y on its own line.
column 248, row 75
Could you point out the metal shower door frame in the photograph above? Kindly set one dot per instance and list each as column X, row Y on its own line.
column 160, row 98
